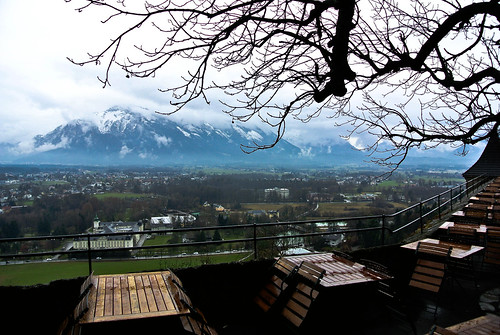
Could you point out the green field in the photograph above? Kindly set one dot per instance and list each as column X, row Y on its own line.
column 44, row 273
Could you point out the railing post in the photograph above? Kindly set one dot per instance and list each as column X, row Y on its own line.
column 383, row 229
column 89, row 254
column 255, row 240
column 439, row 206
column 451, row 200
column 421, row 219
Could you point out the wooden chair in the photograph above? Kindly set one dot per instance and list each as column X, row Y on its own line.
column 70, row 324
column 475, row 214
column 391, row 298
column 495, row 218
column 304, row 294
column 194, row 322
column 491, row 256
column 282, row 272
column 463, row 268
column 430, row 269
column 463, row 234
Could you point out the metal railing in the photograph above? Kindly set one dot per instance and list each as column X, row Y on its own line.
column 385, row 228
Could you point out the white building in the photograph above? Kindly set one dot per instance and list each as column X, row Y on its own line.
column 111, row 241
column 167, row 221
column 282, row 193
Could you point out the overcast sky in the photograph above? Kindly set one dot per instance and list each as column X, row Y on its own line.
column 40, row 89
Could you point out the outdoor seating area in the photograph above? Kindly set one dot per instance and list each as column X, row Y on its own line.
column 440, row 284
column 111, row 302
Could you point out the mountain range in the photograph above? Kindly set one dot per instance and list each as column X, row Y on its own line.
column 120, row 136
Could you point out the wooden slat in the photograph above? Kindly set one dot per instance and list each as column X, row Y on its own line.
column 424, row 286
column 292, row 317
column 117, row 296
column 101, row 294
column 298, row 309
column 125, row 293
column 166, row 294
column 134, row 300
column 435, row 281
column 141, row 295
column 160, row 303
column 148, row 290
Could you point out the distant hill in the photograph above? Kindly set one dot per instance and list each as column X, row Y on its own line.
column 120, row 136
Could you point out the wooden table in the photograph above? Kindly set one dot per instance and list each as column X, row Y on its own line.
column 132, row 296
column 457, row 250
column 339, row 271
column 487, row 324
column 480, row 229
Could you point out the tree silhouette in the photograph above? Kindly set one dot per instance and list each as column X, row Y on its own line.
column 408, row 74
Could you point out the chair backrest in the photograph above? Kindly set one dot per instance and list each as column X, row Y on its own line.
column 492, row 250
column 430, row 268
column 428, row 275
column 495, row 218
column 70, row 323
column 311, row 272
column 475, row 213
column 433, row 249
column 463, row 234
column 304, row 294
column 282, row 272
column 83, row 300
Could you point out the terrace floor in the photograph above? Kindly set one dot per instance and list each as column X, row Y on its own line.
column 224, row 293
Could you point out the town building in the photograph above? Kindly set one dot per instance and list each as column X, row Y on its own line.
column 170, row 220
column 110, row 241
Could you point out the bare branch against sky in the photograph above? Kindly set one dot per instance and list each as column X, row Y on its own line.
column 406, row 75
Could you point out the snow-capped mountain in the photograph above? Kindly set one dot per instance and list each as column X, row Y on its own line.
column 119, row 136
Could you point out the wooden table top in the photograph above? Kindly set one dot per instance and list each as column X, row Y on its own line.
column 339, row 271
column 132, row 296
column 486, row 324
column 457, row 250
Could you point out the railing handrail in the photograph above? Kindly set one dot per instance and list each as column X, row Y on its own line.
column 473, row 184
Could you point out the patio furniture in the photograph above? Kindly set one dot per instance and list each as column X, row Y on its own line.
column 194, row 322
column 491, row 259
column 463, row 234
column 304, row 293
column 339, row 271
column 392, row 300
column 70, row 324
column 458, row 250
column 482, row 325
column 282, row 273
column 129, row 302
column 430, row 269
